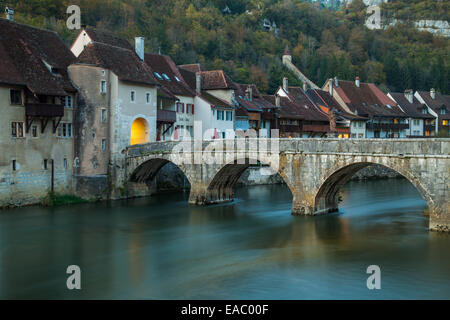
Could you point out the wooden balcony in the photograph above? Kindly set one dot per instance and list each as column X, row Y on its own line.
column 289, row 128
column 387, row 126
column 315, row 128
column 166, row 116
column 44, row 110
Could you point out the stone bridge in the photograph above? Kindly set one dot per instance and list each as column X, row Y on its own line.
column 313, row 169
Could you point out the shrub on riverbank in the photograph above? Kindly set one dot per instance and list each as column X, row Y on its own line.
column 54, row 199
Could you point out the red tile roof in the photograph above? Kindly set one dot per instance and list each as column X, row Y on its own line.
column 164, row 65
column 195, row 67
column 367, row 100
column 305, row 106
column 123, row 62
column 217, row 79
column 323, row 99
column 35, row 58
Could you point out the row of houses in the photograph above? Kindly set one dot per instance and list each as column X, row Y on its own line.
column 68, row 114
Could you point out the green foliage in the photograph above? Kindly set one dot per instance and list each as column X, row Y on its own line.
column 54, row 200
column 324, row 43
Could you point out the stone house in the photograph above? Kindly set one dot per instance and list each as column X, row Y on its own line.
column 37, row 102
column 117, row 108
column 421, row 122
column 439, row 106
column 384, row 118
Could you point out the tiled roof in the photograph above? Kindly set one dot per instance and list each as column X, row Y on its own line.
column 305, row 107
column 164, row 66
column 123, row 62
column 367, row 100
column 437, row 103
column 35, row 58
column 214, row 101
column 196, row 67
column 288, row 109
column 323, row 99
column 107, row 38
column 414, row 110
column 217, row 79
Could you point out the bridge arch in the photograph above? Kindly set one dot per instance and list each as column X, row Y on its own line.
column 148, row 169
column 221, row 185
column 327, row 196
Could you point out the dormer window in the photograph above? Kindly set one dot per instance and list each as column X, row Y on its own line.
column 424, row 111
column 443, row 110
column 166, row 77
column 158, row 75
column 178, row 79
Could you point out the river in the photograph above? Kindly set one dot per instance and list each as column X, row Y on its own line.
column 162, row 248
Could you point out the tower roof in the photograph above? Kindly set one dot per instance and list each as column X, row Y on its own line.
column 287, row 52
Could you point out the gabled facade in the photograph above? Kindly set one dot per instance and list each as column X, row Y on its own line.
column 117, row 107
column 438, row 106
column 171, row 79
column 384, row 118
column 37, row 102
column 421, row 122
column 314, row 121
column 216, row 114
column 285, row 116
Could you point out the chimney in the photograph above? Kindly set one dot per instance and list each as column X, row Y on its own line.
column 286, row 84
column 250, row 92
column 357, row 83
column 432, row 93
column 409, row 95
column 336, row 82
column 198, row 83
column 9, row 12
column 304, row 86
column 277, row 101
column 140, row 51
column 330, row 86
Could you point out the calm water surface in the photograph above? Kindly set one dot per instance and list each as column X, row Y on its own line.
column 161, row 248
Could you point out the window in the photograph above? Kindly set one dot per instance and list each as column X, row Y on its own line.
column 219, row 115
column 103, row 115
column 166, row 77
column 17, row 130
column 263, row 123
column 64, row 130
column 103, row 73
column 445, row 122
column 188, row 108
column 176, row 78
column 416, row 122
column 229, row 116
column 424, row 110
column 427, row 133
column 180, row 107
column 103, row 144
column 45, row 164
column 16, row 97
column 223, row 135
column 443, row 110
column 360, row 124
column 34, row 131
column 65, row 163
column 103, row 87
column 148, row 97
column 14, row 165
column 67, row 101
column 158, row 75
column 133, row 96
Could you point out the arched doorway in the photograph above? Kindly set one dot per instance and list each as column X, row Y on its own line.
column 140, row 132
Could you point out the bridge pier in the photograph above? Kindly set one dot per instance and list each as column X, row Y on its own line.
column 440, row 218
column 202, row 195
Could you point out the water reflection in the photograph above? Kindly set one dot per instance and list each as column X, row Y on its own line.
column 250, row 249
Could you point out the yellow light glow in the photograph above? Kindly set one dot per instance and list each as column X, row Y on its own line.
column 139, row 132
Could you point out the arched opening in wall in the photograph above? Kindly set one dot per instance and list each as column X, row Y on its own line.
column 140, row 132
column 244, row 172
column 373, row 183
column 159, row 175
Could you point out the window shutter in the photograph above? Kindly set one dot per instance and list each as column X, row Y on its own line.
column 182, row 107
column 192, row 109
column 178, row 107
